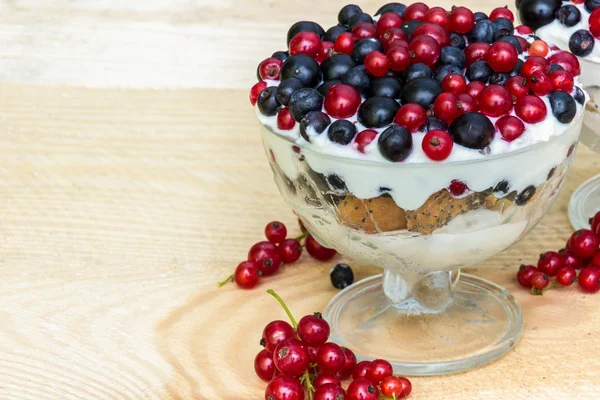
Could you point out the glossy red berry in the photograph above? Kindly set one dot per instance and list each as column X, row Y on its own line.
column 441, row 36
column 364, row 30
column 461, row 20
column 268, row 260
column 550, row 262
column 285, row 121
column 517, row 87
column 330, row 391
column 344, row 44
column 594, row 21
column 538, row 48
column 539, row 280
column 312, row 353
column 291, row 358
column 474, row 88
column 406, row 386
column 495, row 101
column 270, row 68
column 570, row 259
column 377, row 63
column 416, row 12
column 342, row 101
column 466, row 103
column 438, row 16
column 256, row 90
column 326, row 50
column 275, row 232
column 380, row 369
column 502, row 12
column 323, row 378
column 457, row 188
column 595, row 222
column 394, row 386
column 530, row 109
column 524, row 275
column 247, row 274
column 476, row 51
column 446, row 106
column 284, row 388
column 330, row 358
column 502, row 57
column 524, row 30
column 361, row 370
column 276, row 332
column 532, row 64
column 437, row 145
column 562, row 80
column 317, row 251
column 540, row 83
column 566, row 276
column 290, row 251
column 399, row 58
column 584, row 243
column 349, row 363
column 362, row 389
column 388, row 21
column 454, row 83
column 412, row 116
column 510, row 127
column 424, row 49
column 566, row 60
column 364, row 138
column 264, row 366
column 392, row 37
column 589, row 279
column 257, row 249
column 313, row 329
column 307, row 43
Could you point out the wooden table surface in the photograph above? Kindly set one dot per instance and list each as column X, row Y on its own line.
column 133, row 179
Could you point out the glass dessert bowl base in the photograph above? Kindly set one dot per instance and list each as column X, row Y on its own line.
column 584, row 203
column 480, row 323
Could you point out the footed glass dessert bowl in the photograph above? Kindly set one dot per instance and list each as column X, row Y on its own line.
column 422, row 314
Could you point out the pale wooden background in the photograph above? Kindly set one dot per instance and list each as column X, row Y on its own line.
column 132, row 179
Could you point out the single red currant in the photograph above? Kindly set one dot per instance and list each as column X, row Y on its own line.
column 268, row 260
column 584, row 243
column 392, row 37
column 562, row 80
column 377, row 63
column 510, row 127
column 247, row 274
column 344, row 44
column 595, row 222
column 330, row 391
column 291, row 358
column 388, row 21
column 524, row 30
column 437, row 145
column 539, row 280
column 540, row 84
column 364, row 30
column 330, row 358
column 325, row 52
column 275, row 232
column 284, row 388
column 589, row 279
column 276, row 332
column 361, row 370
column 495, row 101
column 446, row 106
column 323, row 378
column 342, row 101
column 533, row 64
column 550, row 262
column 438, row 16
column 269, row 68
column 416, row 12
column 476, row 51
column 566, row 60
column 502, row 57
column 380, row 369
column 466, row 103
column 502, row 12
column 349, row 363
column 570, row 259
column 461, row 20
column 530, row 109
column 255, row 91
column 313, row 329
column 457, row 188
column 594, row 21
column 566, row 276
column 307, row 43
column 285, row 121
column 399, row 57
column 524, row 275
column 406, row 386
column 412, row 116
column 454, row 83
column 538, row 48
column 290, row 251
column 435, row 31
column 474, row 88
column 317, row 251
column 424, row 49
column 364, row 138
column 391, row 387
column 517, row 87
column 362, row 389
column 264, row 365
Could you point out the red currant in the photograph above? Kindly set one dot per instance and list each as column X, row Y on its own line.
column 445, row 107
column 325, row 52
column 264, row 365
column 435, row 31
column 330, row 391
column 256, row 90
column 330, row 358
column 517, row 87
column 317, row 251
column 312, row 352
column 424, row 49
column 462, row 20
column 438, row 16
column 377, row 63
column 539, row 280
column 268, row 261
column 566, row 60
column 399, row 57
column 284, row 388
column 510, row 127
column 361, row 370
column 388, row 21
column 550, row 262
column 524, row 275
column 437, row 145
column 285, row 121
column 566, row 276
column 397, row 387
column 595, row 222
column 466, row 103
column 349, row 363
column 275, row 232
column 290, row 251
column 502, row 57
column 362, row 389
column 307, row 43
column 406, row 386
column 457, row 188
column 570, row 259
column 594, row 21
column 342, row 101
column 584, row 243
column 393, row 36
column 364, row 138
column 495, row 101
column 416, row 12
column 269, row 68
column 454, row 83
column 530, row 109
column 540, row 84
column 291, row 358
column 562, row 80
column 533, row 64
column 313, row 329
column 412, row 116
column 247, row 274
column 323, row 378
column 344, row 44
column 364, row 30
column 502, row 12
column 589, row 279
column 275, row 333
column 476, row 51
column 380, row 369
column 524, row 30
column 474, row 88
column 538, row 48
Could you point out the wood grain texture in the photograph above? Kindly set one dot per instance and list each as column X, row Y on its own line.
column 121, row 207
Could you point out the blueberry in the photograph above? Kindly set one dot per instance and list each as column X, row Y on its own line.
column 358, row 18
column 304, row 101
column 386, row 87
column 336, row 66
column 316, row 121
column 395, row 143
column 457, row 40
column 341, row 276
column 512, row 40
column 324, row 87
column 444, row 70
column 347, row 12
column 434, row 123
column 304, row 26
column 502, row 187
column 472, row 130
column 302, row 67
column 409, row 26
column 358, row 78
column 563, row 106
column 342, row 131
column 281, row 55
column 453, row 55
column 335, row 182
column 286, row 88
column 517, row 69
column 591, row 4
column 377, row 112
column 397, row 8
column 422, row 91
column 364, row 47
column 484, row 31
column 332, row 33
column 555, row 67
column 581, row 43
column 503, row 27
column 578, row 95
column 416, row 71
column 537, row 13
column 568, row 15
column 267, row 101
column 479, row 71
column 480, row 16
column 499, row 78
column 525, row 195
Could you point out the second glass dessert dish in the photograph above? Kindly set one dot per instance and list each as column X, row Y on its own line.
column 402, row 148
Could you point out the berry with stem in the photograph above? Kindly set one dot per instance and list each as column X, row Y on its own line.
column 362, row 389
column 291, row 358
column 276, row 332
column 313, row 329
column 380, row 369
column 264, row 366
column 539, row 280
column 290, row 251
column 524, row 275
column 284, row 388
column 275, row 232
column 584, row 243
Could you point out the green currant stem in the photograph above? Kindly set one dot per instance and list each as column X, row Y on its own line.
column 299, row 238
column 538, row 292
column 285, row 308
column 308, row 384
column 226, row 281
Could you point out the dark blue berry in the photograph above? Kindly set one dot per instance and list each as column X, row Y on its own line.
column 480, row 16
column 555, row 67
column 385, row 87
column 563, row 106
column 590, row 5
column 304, row 26
column 503, row 27
column 304, row 101
column 286, row 88
column 332, row 33
column 358, row 18
column 483, row 31
column 395, row 143
column 358, row 78
column 422, row 91
column 397, row 8
column 581, row 43
column 479, row 71
column 502, row 187
column 457, row 40
column 512, row 40
column 336, row 66
column 324, row 87
column 267, row 101
column 342, row 131
column 444, row 70
column 416, row 71
column 341, row 276
column 364, row 47
column 578, row 95
column 526, row 195
column 377, row 112
column 537, row 13
column 335, row 182
column 499, row 78
column 454, row 56
column 517, row 69
column 434, row 123
column 472, row 130
column 316, row 121
column 347, row 12
column 409, row 26
column 281, row 55
column 302, row 67
column 568, row 15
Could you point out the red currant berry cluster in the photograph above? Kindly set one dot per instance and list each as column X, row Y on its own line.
column 266, row 257
column 561, row 268
column 299, row 362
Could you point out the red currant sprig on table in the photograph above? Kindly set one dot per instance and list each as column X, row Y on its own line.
column 555, row 269
column 299, row 362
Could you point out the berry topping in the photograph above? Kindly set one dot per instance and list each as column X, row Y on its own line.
column 348, row 12
column 342, row 132
column 333, row 33
column 314, row 122
column 422, row 91
column 364, row 30
column 411, row 116
column 397, row 8
column 377, row 112
column 281, row 55
column 344, row 43
column 563, row 106
column 495, row 101
column 307, row 43
column 304, row 101
column 358, row 78
column 445, row 107
column 594, row 21
column 424, row 49
column 437, row 145
column 395, row 143
column 441, row 36
column 537, row 13
column 386, row 87
column 502, row 57
column 438, row 16
column 566, row 60
column 269, row 68
column 484, row 31
column 453, row 56
column 510, row 127
column 341, row 275
column 267, row 101
column 479, row 71
column 303, row 67
column 474, row 88
column 336, row 66
column 255, row 91
column 476, row 51
column 457, row 40
column 472, row 130
column 342, row 101
column 359, row 18
column 377, row 63
column 480, row 16
column 434, row 123
column 461, row 20
column 569, row 15
column 581, row 43
column 530, row 109
column 388, row 21
column 454, row 83
column 285, row 121
column 286, row 88
column 502, row 12
column 540, row 84
column 304, row 26
column 416, row 12
column 365, row 46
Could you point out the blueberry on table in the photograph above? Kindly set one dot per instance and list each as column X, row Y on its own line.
column 377, row 112
column 286, row 88
column 395, row 143
column 358, row 78
column 472, row 130
column 304, row 26
column 341, row 276
column 563, row 106
column 304, row 101
column 385, row 87
column 267, row 101
column 483, row 31
column 332, row 33
column 415, row 71
column 581, row 43
column 342, row 132
column 568, row 15
column 347, row 12
column 336, row 66
column 302, row 67
column 422, row 91
column 479, row 71
column 315, row 121
column 365, row 46
column 397, row 8
column 538, row 13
